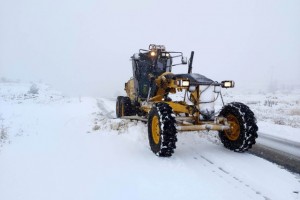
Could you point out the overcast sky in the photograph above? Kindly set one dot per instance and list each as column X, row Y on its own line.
column 83, row 46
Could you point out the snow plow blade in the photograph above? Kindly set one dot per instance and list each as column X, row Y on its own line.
column 135, row 118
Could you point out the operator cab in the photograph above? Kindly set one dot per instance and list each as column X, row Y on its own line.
column 164, row 64
column 148, row 64
column 160, row 60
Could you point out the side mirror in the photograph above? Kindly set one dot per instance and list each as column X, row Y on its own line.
column 184, row 60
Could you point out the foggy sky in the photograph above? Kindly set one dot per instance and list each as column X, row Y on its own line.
column 83, row 47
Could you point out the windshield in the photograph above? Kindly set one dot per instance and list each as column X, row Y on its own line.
column 164, row 64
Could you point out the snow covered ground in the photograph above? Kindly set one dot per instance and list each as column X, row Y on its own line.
column 56, row 147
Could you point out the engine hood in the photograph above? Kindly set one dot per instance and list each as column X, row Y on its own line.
column 196, row 79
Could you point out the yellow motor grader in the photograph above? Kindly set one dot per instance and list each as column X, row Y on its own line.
column 148, row 99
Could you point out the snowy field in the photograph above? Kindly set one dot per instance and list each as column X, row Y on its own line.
column 57, row 147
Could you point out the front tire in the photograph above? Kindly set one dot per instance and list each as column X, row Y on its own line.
column 243, row 127
column 162, row 132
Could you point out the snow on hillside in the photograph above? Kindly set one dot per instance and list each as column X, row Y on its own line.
column 57, row 147
column 277, row 108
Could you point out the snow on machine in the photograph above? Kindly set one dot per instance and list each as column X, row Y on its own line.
column 148, row 99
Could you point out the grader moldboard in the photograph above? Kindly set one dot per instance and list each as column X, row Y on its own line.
column 148, row 100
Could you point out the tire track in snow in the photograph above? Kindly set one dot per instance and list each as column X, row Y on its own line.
column 227, row 176
column 222, row 173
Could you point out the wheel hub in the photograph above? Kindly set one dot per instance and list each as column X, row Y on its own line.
column 234, row 132
column 122, row 110
column 155, row 130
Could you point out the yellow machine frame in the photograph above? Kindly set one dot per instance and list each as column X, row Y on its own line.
column 190, row 123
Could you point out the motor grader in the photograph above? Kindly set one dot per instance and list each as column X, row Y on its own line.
column 149, row 99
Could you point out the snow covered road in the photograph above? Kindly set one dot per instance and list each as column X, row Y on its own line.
column 70, row 148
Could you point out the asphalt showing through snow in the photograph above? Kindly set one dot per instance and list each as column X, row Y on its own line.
column 286, row 156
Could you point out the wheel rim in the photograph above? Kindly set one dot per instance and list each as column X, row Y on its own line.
column 118, row 108
column 155, row 130
column 234, row 132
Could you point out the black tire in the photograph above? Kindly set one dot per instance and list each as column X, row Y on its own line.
column 126, row 107
column 164, row 143
column 118, row 106
column 244, row 129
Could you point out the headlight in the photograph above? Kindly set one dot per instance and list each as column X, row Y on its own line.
column 183, row 83
column 164, row 55
column 152, row 53
column 227, row 84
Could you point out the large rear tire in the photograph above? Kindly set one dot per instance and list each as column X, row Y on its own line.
column 162, row 131
column 124, row 107
column 243, row 127
column 118, row 106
